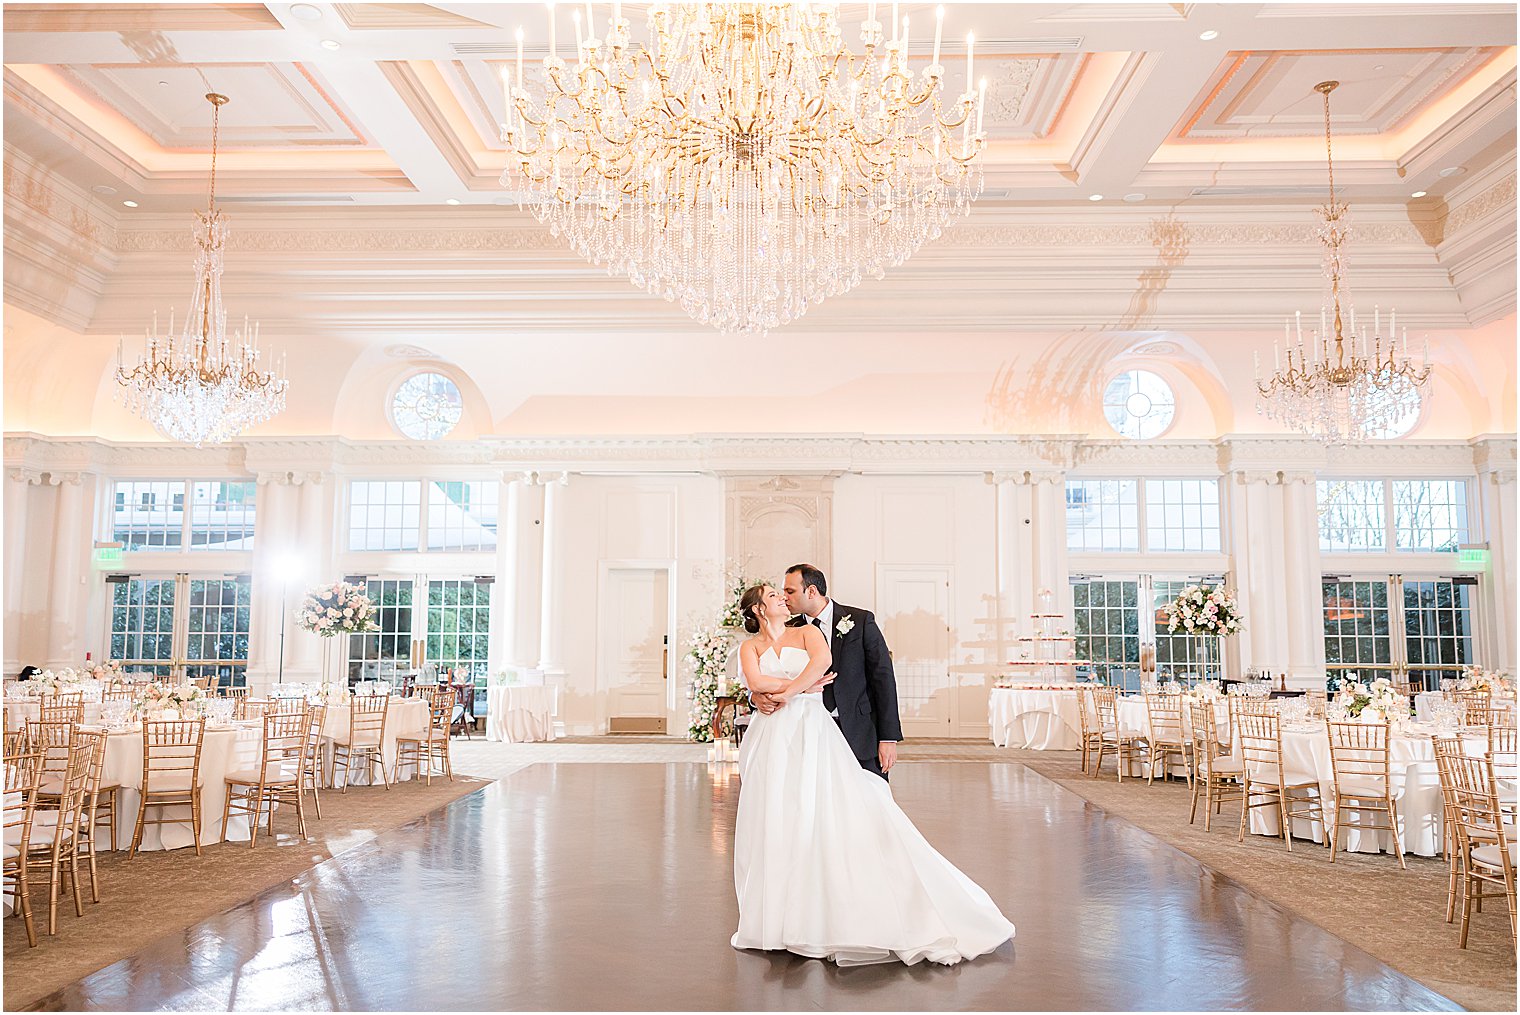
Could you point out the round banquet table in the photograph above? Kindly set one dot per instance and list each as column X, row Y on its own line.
column 223, row 750
column 1425, row 700
column 517, row 713
column 1036, row 720
column 405, row 718
column 1416, row 790
column 19, row 712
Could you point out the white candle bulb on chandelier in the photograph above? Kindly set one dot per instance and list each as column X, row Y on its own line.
column 939, row 30
column 970, row 58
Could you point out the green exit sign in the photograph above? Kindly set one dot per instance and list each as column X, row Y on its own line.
column 108, row 556
column 1474, row 558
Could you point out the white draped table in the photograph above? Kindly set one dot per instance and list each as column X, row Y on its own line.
column 19, row 713
column 1425, row 701
column 223, row 750
column 1037, row 720
column 516, row 713
column 405, row 718
column 1416, row 790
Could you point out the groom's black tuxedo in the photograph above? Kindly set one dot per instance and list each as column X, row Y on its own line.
column 864, row 690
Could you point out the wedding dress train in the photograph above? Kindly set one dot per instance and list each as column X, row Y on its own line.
column 827, row 865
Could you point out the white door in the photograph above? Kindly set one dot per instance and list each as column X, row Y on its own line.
column 634, row 660
column 913, row 611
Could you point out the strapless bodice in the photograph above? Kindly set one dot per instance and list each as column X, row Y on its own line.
column 788, row 663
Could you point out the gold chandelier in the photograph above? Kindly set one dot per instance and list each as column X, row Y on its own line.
column 744, row 162
column 1328, row 389
column 203, row 385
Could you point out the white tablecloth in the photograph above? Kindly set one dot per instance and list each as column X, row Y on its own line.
column 1425, row 699
column 1416, row 791
column 406, row 717
column 1035, row 720
column 17, row 713
column 519, row 712
column 222, row 751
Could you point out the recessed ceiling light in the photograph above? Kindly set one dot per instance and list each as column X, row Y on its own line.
column 306, row 12
column 1377, row 66
column 1095, row 197
column 103, row 190
column 331, row 44
column 1132, row 198
column 130, row 204
column 1453, row 171
column 451, row 200
column 1209, row 36
column 1418, row 193
column 163, row 84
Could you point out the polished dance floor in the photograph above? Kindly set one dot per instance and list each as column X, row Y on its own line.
column 610, row 886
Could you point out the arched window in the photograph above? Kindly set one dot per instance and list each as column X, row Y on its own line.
column 426, row 407
column 1139, row 405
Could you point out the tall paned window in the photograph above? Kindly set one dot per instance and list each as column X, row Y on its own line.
column 1177, row 651
column 149, row 514
column 1102, row 515
column 384, row 514
column 380, row 655
column 1398, row 515
column 459, row 631
column 1108, row 629
column 217, row 622
column 462, row 515
column 221, row 515
column 142, row 624
column 1352, row 516
column 1357, row 622
column 1182, row 515
column 1429, row 514
column 1438, row 628
column 177, row 514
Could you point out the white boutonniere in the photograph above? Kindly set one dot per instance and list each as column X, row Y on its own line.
column 845, row 626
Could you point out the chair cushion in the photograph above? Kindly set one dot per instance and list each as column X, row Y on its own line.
column 1225, row 765
column 277, row 770
column 1489, row 856
column 44, row 828
column 1359, row 785
column 168, row 782
column 1123, row 734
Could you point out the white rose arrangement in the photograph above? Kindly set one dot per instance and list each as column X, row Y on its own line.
column 1203, row 609
column 159, row 696
column 338, row 608
column 707, row 659
column 1375, row 701
column 1476, row 678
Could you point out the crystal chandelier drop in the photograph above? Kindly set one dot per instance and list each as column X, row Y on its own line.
column 203, row 385
column 744, row 162
column 1328, row 389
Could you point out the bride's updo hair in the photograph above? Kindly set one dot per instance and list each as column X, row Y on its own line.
column 753, row 597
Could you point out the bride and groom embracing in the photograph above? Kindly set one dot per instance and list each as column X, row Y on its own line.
column 825, row 863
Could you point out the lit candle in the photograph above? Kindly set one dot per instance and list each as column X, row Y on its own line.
column 870, row 13
column 939, row 28
column 1276, row 359
column 903, row 58
column 506, row 98
column 590, row 22
column 1393, row 325
column 981, row 105
column 1324, row 327
column 1353, row 318
column 1406, row 343
column 553, row 35
column 970, row 54
column 580, row 46
column 1298, row 325
column 1256, row 359
column 1377, row 319
column 519, row 55
column 617, row 11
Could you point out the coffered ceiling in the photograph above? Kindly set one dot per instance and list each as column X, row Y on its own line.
column 1098, row 114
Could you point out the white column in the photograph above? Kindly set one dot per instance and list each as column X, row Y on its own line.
column 1049, row 568
column 551, row 624
column 1496, row 501
column 69, row 572
column 278, row 565
column 1302, row 589
column 1256, row 548
column 18, row 486
column 504, row 638
column 311, row 524
column 1006, row 540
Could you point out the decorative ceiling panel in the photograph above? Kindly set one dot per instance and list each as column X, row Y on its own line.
column 1271, row 94
column 390, row 17
column 139, row 18
column 273, row 104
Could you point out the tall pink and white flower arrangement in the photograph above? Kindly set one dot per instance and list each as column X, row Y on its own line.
column 338, row 608
column 1203, row 609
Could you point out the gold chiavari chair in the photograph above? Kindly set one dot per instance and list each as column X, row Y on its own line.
column 1445, row 748
column 1501, row 738
column 51, row 740
column 1474, row 706
column 1318, row 700
column 1409, row 689
column 1217, row 776
column 432, row 745
column 60, row 710
column 91, row 820
column 171, row 775
column 1260, row 751
column 228, row 691
column 53, row 842
column 21, row 773
column 311, row 761
column 1092, row 733
column 1163, row 718
column 252, row 708
column 1121, row 743
column 1361, row 781
column 67, row 698
column 204, row 683
column 1486, row 857
column 15, row 739
column 121, row 693
column 364, row 740
column 275, row 780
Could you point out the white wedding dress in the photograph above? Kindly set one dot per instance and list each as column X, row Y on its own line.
column 827, row 865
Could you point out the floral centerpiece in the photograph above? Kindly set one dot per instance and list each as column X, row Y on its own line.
column 1476, row 678
column 163, row 697
column 1374, row 702
column 1203, row 610
column 50, row 682
column 337, row 608
column 109, row 670
column 708, row 651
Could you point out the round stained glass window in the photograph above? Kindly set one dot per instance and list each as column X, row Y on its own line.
column 1139, row 405
column 426, row 407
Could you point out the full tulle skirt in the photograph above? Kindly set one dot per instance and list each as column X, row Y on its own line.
column 828, row 866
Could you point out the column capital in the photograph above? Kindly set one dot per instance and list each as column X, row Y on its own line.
column 998, row 478
column 1502, row 477
column 30, row 477
column 1055, row 477
column 1250, row 477
column 65, row 478
column 1300, row 476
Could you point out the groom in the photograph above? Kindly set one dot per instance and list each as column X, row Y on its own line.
column 863, row 697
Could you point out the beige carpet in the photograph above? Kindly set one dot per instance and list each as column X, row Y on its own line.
column 162, row 893
column 1396, row 915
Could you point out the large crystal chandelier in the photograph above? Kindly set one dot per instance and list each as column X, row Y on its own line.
column 1329, row 390
column 744, row 162
column 203, row 385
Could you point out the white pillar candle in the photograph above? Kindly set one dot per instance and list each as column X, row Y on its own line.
column 1377, row 319
column 519, row 55
column 970, row 57
column 590, row 22
column 553, row 35
column 580, row 45
column 894, row 21
column 939, row 28
column 1298, row 325
column 981, row 105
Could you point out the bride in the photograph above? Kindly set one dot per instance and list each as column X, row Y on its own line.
column 825, row 863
